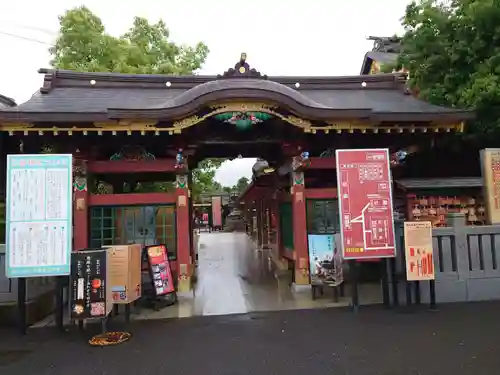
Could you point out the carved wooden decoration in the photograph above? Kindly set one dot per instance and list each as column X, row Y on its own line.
column 242, row 70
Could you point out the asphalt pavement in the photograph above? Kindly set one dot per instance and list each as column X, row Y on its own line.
column 458, row 339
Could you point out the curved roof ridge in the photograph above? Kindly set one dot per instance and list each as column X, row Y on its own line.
column 59, row 78
column 9, row 102
column 235, row 84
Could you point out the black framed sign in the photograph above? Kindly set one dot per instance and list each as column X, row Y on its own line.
column 89, row 297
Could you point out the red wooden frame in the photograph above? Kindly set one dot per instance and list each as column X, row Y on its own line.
column 132, row 199
column 131, row 166
column 321, row 193
column 322, row 163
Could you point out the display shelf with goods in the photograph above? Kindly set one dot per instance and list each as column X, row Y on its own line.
column 434, row 198
column 436, row 208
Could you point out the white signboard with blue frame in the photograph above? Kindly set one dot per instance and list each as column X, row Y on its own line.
column 39, row 215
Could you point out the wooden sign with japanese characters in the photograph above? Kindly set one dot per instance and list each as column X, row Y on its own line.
column 90, row 292
column 418, row 251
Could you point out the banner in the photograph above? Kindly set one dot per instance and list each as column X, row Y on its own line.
column 418, row 251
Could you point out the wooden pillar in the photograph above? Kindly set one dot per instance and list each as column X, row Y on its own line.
column 260, row 223
column 275, row 212
column 184, row 260
column 251, row 216
column 300, row 254
column 265, row 222
column 192, row 250
column 80, row 210
column 248, row 216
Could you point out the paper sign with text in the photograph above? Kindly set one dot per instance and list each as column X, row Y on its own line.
column 418, row 251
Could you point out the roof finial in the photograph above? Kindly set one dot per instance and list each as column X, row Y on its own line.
column 242, row 70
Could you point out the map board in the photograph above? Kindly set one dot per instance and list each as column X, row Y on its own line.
column 39, row 215
column 365, row 203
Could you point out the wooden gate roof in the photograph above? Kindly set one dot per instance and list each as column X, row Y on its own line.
column 68, row 96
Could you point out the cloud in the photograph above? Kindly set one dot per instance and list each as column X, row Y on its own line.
column 232, row 170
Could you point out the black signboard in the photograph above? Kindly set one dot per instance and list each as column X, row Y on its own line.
column 88, row 284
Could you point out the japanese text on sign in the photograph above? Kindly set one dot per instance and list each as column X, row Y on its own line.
column 365, row 203
column 89, row 290
column 418, row 251
column 39, row 215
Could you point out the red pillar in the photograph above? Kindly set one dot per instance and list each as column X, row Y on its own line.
column 260, row 223
column 80, row 204
column 265, row 221
column 184, row 260
column 277, row 222
column 301, row 254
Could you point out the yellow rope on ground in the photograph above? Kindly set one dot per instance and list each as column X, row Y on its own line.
column 110, row 338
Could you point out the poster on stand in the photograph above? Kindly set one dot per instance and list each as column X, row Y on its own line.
column 90, row 294
column 365, row 203
column 39, row 215
column 325, row 260
column 418, row 251
column 159, row 269
column 490, row 168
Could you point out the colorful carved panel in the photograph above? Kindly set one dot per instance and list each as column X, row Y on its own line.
column 243, row 120
column 79, row 175
column 181, row 181
column 298, row 178
column 137, row 153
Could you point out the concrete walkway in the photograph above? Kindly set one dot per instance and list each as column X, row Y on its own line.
column 234, row 278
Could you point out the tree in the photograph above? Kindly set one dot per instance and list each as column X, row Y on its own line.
column 204, row 178
column 452, row 51
column 241, row 185
column 84, row 45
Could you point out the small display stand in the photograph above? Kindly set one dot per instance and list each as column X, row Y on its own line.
column 162, row 292
column 90, row 293
column 125, row 276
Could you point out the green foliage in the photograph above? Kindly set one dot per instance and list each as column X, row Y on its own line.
column 241, row 185
column 452, row 50
column 388, row 67
column 204, row 178
column 84, row 45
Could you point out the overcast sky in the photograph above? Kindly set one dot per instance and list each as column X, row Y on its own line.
column 314, row 37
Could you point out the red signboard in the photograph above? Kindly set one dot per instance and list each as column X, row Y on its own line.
column 216, row 211
column 159, row 268
column 365, row 203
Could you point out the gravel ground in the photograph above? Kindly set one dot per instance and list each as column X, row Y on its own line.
column 458, row 339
